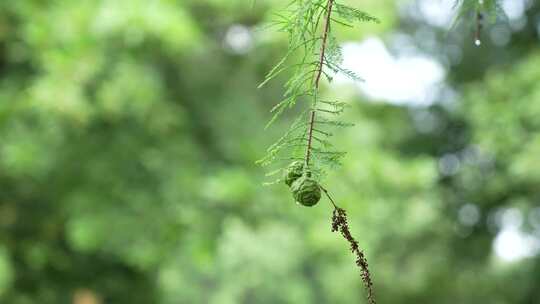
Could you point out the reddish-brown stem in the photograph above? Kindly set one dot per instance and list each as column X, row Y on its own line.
column 324, row 39
column 310, row 136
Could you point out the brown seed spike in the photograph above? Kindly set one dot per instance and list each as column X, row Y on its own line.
column 340, row 223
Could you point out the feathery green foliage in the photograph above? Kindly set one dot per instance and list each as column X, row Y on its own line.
column 313, row 52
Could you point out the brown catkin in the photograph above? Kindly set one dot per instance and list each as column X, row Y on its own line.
column 339, row 223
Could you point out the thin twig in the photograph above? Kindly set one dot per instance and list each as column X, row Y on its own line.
column 324, row 40
column 326, row 31
column 478, row 30
column 329, row 197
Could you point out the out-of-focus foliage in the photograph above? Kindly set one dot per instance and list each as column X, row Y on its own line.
column 128, row 135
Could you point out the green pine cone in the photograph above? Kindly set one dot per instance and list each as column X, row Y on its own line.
column 293, row 172
column 306, row 191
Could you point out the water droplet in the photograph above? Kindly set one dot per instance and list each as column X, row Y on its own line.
column 477, row 42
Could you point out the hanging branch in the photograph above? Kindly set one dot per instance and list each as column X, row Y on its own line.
column 479, row 10
column 317, row 51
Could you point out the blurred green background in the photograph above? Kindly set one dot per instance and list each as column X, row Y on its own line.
column 129, row 132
